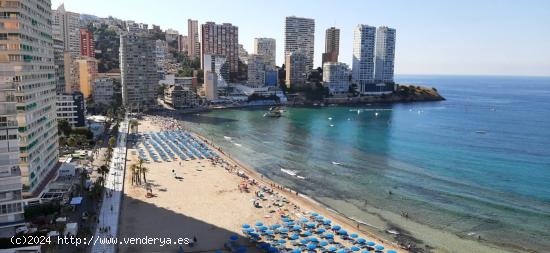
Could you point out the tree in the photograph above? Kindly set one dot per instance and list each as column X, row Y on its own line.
column 64, row 127
column 112, row 141
column 103, row 170
column 144, row 171
column 71, row 141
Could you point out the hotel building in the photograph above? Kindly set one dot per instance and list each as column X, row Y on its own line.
column 299, row 36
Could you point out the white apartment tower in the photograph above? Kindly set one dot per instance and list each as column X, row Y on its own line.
column 267, row 48
column 138, row 71
column 363, row 57
column 27, row 89
column 299, row 36
column 385, row 55
column 66, row 27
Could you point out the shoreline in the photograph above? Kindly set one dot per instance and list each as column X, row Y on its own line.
column 302, row 199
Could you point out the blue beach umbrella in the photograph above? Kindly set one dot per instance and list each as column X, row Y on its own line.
column 323, row 243
column 296, row 250
column 314, row 240
column 289, row 223
column 281, row 241
column 342, row 232
column 275, row 226
column 311, row 225
column 314, row 214
column 327, row 221
column 365, row 251
column 354, row 248
column 321, row 230
column 233, row 238
column 304, row 241
column 269, row 232
column 361, row 240
column 296, row 227
column 283, row 230
column 249, row 230
column 371, row 244
column 341, row 251
column 246, row 226
column 391, row 251
column 311, row 246
column 294, row 237
column 307, row 233
column 379, row 247
column 336, row 227
column 285, row 219
column 304, row 220
column 332, row 248
column 353, row 235
column 329, row 235
column 262, row 228
column 258, row 224
column 320, row 218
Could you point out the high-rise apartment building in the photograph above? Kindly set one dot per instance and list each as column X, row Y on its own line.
column 267, row 48
column 217, row 64
column 193, row 43
column 27, row 96
column 363, row 57
column 332, row 45
column 221, row 39
column 59, row 61
column 138, row 71
column 66, row 27
column 299, row 36
column 256, row 70
column 296, row 64
column 182, row 44
column 385, row 55
column 87, row 72
column 86, row 43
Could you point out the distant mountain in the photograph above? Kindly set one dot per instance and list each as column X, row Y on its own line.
column 88, row 17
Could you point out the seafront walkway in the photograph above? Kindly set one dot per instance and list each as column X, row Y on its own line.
column 107, row 226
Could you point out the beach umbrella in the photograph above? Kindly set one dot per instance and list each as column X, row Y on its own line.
column 354, row 248
column 303, row 241
column 264, row 245
column 269, row 232
column 314, row 240
column 314, row 214
column 332, row 248
column 311, row 246
column 370, row 244
column 342, row 232
column 321, row 230
column 290, row 223
column 353, row 235
column 294, row 237
column 361, row 240
column 365, row 251
column 391, row 251
column 307, row 233
column 327, row 221
column 233, row 238
column 296, row 227
column 272, row 250
column 341, row 251
column 329, row 235
column 297, row 250
column 336, row 227
column 246, row 226
column 262, row 228
column 275, row 226
column 285, row 219
column 379, row 247
column 281, row 241
column 323, row 243
column 311, row 225
column 320, row 218
column 304, row 220
column 259, row 224
column 283, row 230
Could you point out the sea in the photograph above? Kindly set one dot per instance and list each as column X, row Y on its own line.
column 471, row 173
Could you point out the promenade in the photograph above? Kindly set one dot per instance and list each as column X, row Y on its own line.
column 107, row 226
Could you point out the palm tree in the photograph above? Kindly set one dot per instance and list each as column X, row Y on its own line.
column 144, row 170
column 103, row 170
column 133, row 171
column 112, row 141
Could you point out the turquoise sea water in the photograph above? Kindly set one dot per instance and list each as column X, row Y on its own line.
column 475, row 164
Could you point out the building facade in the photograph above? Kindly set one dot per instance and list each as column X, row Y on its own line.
column 87, row 72
column 193, row 43
column 256, row 70
column 29, row 64
column 217, row 64
column 243, row 54
column 59, row 61
column 210, row 85
column 138, row 71
column 363, row 58
column 332, row 45
column 267, row 48
column 221, row 39
column 181, row 96
column 102, row 90
column 87, row 43
column 300, row 36
column 71, row 108
column 66, row 27
column 385, row 55
column 182, row 44
column 296, row 64
column 336, row 76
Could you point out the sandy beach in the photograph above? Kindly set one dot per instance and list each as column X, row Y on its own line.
column 206, row 202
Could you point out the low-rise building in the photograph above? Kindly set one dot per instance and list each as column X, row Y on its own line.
column 336, row 76
column 181, row 96
column 103, row 90
column 72, row 108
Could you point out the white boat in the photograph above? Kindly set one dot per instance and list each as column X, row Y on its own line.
column 336, row 163
column 227, row 138
column 300, row 177
column 329, row 118
column 376, row 114
column 290, row 172
column 331, row 125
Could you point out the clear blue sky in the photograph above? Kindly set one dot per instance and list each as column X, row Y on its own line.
column 466, row 37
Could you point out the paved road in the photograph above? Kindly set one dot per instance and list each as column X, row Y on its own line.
column 110, row 209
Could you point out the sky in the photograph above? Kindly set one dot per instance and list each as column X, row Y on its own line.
column 461, row 37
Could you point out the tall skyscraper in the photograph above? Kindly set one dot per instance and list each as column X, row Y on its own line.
column 27, row 94
column 59, row 61
column 332, row 45
column 221, row 40
column 193, row 43
column 300, row 36
column 66, row 27
column 267, row 48
column 138, row 71
column 385, row 55
column 363, row 57
column 86, row 43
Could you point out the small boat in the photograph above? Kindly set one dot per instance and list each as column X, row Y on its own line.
column 274, row 112
column 227, row 138
column 300, row 177
column 376, row 114
column 329, row 118
column 336, row 163
column 481, row 132
column 290, row 172
column 331, row 125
